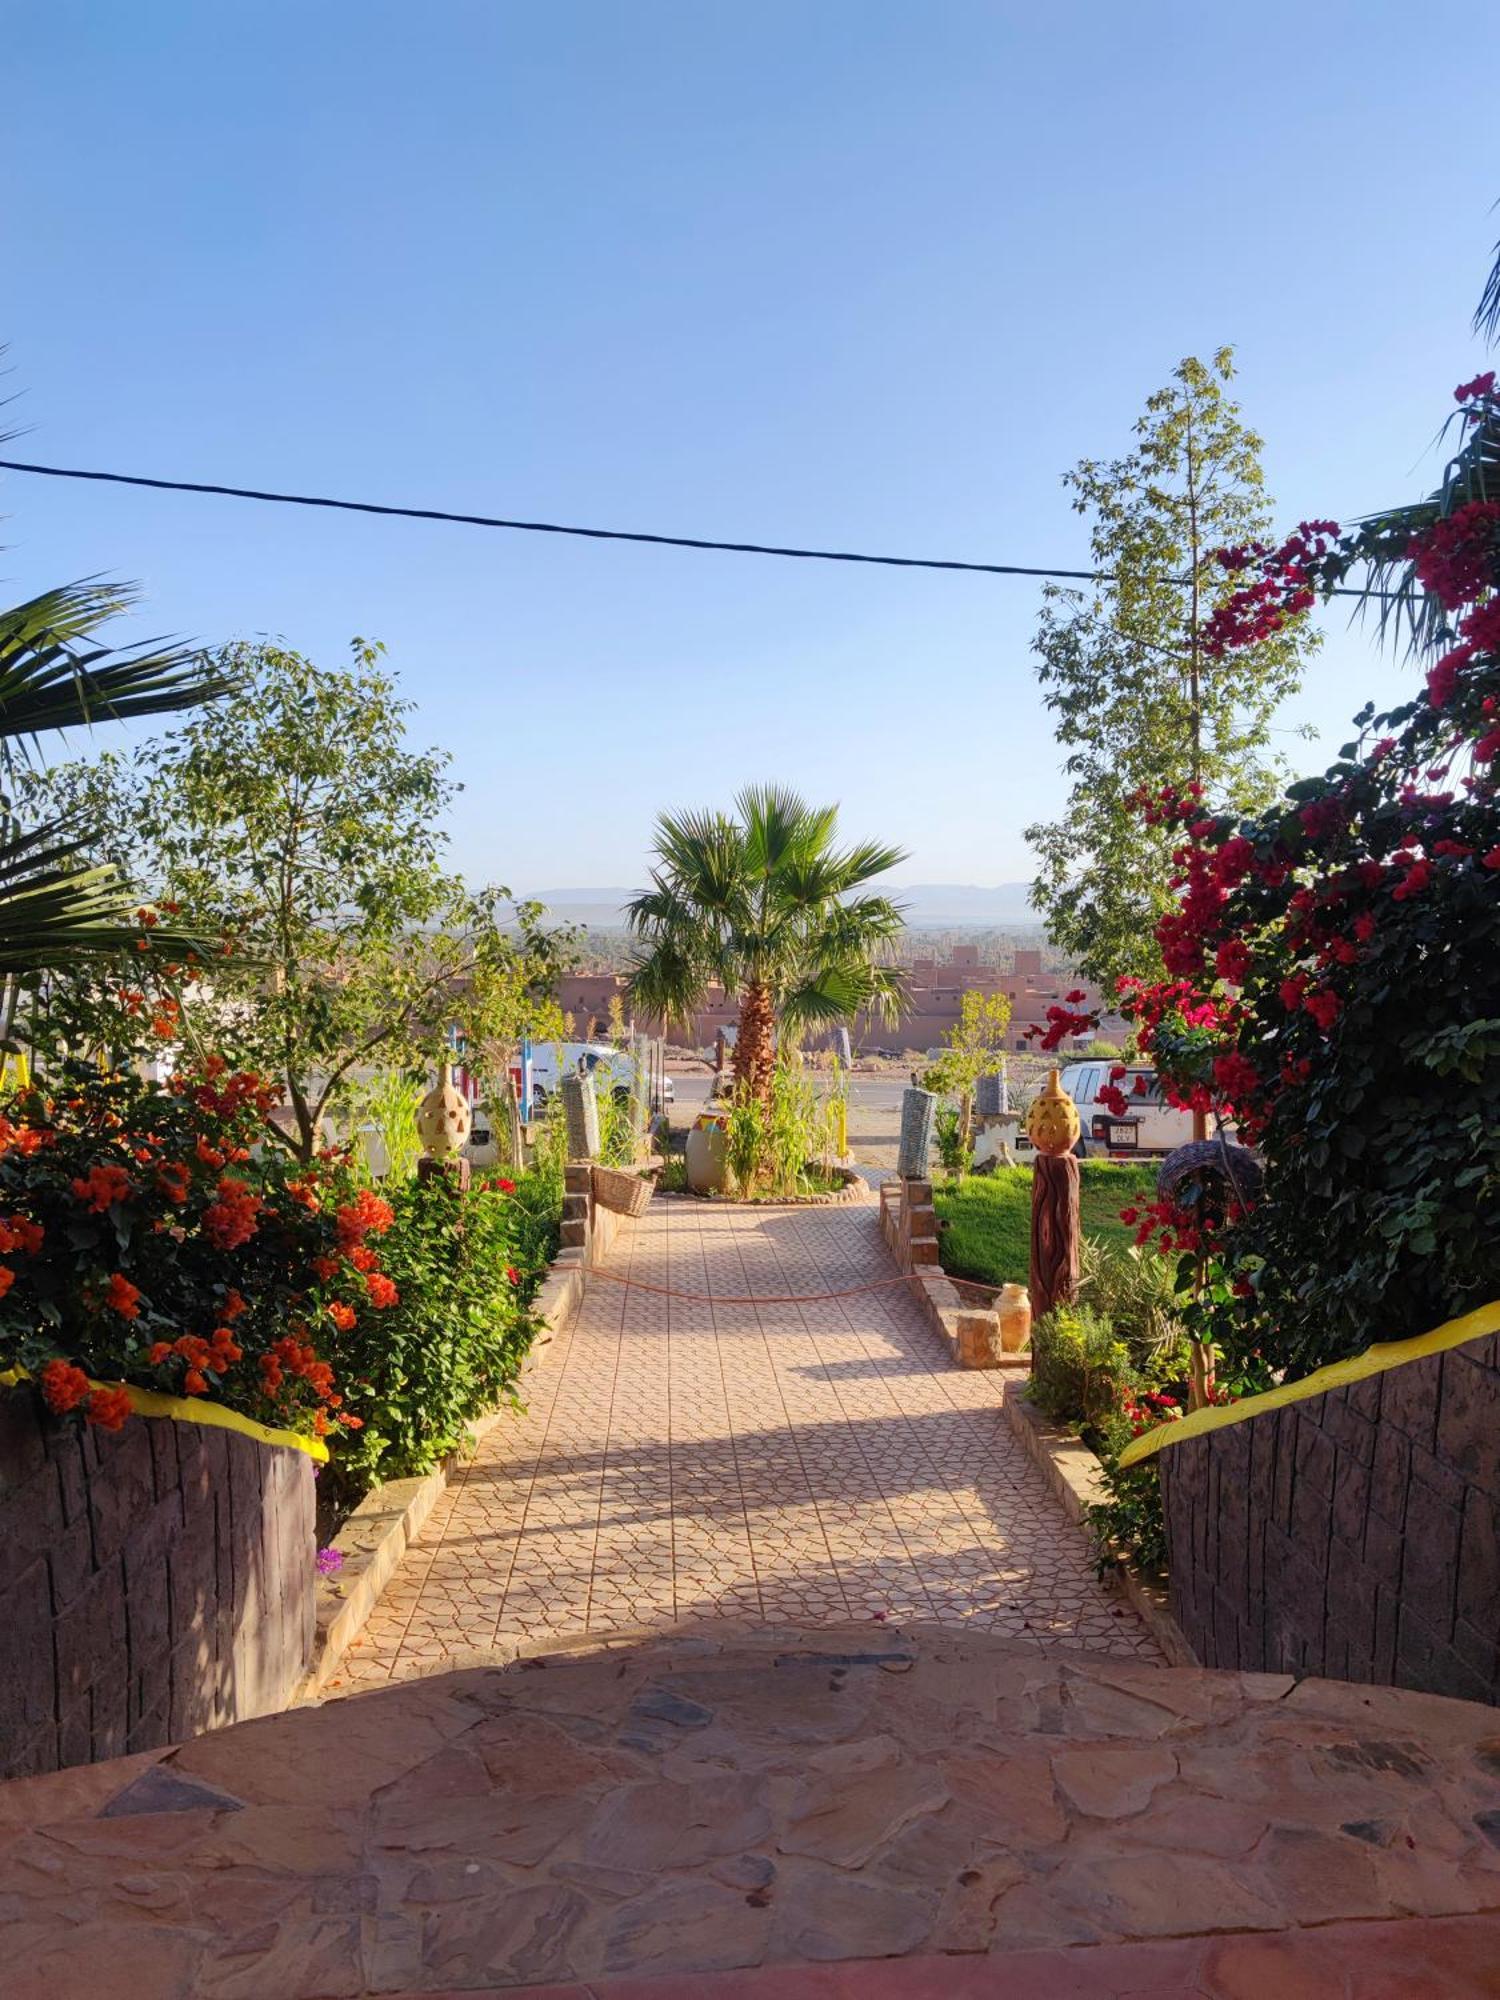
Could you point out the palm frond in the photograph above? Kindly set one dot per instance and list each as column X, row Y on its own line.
column 53, row 677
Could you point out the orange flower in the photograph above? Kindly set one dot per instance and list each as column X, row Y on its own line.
column 160, row 1351
column 64, row 1387
column 210, row 1155
column 25, row 1234
column 342, row 1316
column 172, row 1177
column 108, row 1408
column 194, row 1383
column 359, row 1217
column 230, row 1220
column 382, row 1292
column 226, row 1349
column 102, row 1187
column 233, row 1305
column 123, row 1297
column 325, row 1268
column 362, row 1257
column 7, row 1279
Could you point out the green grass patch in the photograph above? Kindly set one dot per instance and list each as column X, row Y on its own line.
column 988, row 1236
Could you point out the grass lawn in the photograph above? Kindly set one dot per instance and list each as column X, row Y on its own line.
column 989, row 1216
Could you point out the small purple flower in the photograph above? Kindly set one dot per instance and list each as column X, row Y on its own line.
column 330, row 1561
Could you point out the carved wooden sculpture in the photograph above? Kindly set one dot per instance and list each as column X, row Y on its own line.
column 1052, row 1123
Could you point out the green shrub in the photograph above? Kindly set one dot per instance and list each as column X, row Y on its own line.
column 1137, row 1293
column 465, row 1265
column 948, row 1132
column 1080, row 1370
column 1130, row 1521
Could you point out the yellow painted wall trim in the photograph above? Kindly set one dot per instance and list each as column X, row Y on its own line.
column 1374, row 1361
column 186, row 1410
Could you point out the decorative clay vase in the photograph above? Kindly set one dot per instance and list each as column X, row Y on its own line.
column 1052, row 1121
column 1014, row 1307
column 444, row 1119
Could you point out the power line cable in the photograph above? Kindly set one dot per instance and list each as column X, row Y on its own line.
column 560, row 528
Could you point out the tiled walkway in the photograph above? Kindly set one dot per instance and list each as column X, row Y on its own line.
column 682, row 1461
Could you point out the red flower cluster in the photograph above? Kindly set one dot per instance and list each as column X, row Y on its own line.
column 102, row 1187
column 1476, row 391
column 1284, row 590
column 231, row 1219
column 1145, row 1412
column 1458, row 557
column 290, row 1356
column 123, row 1297
column 366, row 1215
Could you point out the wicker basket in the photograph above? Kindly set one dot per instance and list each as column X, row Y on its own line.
column 625, row 1192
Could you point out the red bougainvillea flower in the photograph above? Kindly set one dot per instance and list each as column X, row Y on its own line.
column 108, row 1408
column 363, row 1258
column 123, row 1297
column 382, row 1292
column 325, row 1268
column 503, row 1186
column 230, row 1220
column 64, row 1387
column 512, row 1275
column 1233, row 960
column 233, row 1304
column 195, row 1383
column 1324, row 1005
column 365, row 1215
column 1472, row 392
column 102, row 1187
column 7, row 1279
column 342, row 1316
column 159, row 1352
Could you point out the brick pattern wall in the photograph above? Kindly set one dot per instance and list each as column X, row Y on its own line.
column 1355, row 1535
column 155, row 1583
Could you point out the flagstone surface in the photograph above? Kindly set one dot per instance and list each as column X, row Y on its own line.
column 988, row 1818
column 690, row 1458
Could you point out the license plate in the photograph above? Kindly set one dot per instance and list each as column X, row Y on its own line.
column 1124, row 1138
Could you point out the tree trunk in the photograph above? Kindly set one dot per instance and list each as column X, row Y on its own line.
column 755, row 1044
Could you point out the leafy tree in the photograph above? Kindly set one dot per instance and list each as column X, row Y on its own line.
column 767, row 906
column 975, row 1048
column 1141, row 702
column 292, row 821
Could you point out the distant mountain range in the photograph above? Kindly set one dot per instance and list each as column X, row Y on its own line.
column 929, row 905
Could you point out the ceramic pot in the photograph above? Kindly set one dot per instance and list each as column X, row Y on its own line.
column 444, row 1119
column 1014, row 1308
column 1052, row 1121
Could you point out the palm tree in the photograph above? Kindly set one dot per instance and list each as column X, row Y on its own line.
column 766, row 906
column 56, row 910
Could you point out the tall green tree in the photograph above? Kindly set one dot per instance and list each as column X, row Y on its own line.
column 766, row 905
column 292, row 821
column 1139, row 704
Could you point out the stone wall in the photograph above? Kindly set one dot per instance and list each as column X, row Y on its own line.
column 154, row 1583
column 1355, row 1535
column 960, row 1318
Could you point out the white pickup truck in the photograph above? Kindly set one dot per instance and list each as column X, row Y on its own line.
column 609, row 1067
column 1150, row 1124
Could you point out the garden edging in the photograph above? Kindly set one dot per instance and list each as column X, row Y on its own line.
column 1073, row 1473
column 390, row 1517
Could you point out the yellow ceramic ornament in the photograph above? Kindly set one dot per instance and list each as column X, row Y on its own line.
column 1052, row 1121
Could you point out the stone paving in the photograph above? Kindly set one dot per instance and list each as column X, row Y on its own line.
column 681, row 1461
column 989, row 1819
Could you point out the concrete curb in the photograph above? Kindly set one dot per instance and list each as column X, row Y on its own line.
column 389, row 1518
column 1074, row 1475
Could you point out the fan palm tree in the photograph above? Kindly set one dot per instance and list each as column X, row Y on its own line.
column 57, row 911
column 765, row 905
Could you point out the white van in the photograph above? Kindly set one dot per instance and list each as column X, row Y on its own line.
column 610, row 1067
column 1150, row 1124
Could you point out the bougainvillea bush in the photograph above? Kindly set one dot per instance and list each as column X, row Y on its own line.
column 151, row 1237
column 147, row 1241
column 467, row 1263
column 1333, row 986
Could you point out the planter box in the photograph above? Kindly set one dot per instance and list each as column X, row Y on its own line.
column 157, row 1582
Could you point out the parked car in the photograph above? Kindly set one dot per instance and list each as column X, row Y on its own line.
column 1150, row 1124
column 610, row 1067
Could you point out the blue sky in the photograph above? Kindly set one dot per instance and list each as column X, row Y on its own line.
column 841, row 271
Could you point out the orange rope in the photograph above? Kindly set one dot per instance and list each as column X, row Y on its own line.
column 780, row 1298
